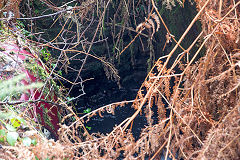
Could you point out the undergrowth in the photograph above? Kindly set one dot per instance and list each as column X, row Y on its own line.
column 198, row 116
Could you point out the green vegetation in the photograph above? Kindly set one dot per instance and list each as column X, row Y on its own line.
column 9, row 116
column 186, row 98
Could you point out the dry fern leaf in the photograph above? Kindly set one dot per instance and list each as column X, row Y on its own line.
column 149, row 23
column 156, row 18
column 100, row 113
column 140, row 26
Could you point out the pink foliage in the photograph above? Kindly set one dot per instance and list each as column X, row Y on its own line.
column 19, row 55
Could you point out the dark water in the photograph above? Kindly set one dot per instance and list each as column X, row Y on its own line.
column 106, row 123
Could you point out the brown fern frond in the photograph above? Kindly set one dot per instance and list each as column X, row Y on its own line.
column 156, row 18
column 149, row 24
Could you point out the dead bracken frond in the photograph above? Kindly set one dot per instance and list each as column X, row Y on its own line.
column 203, row 112
column 149, row 24
column 199, row 111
